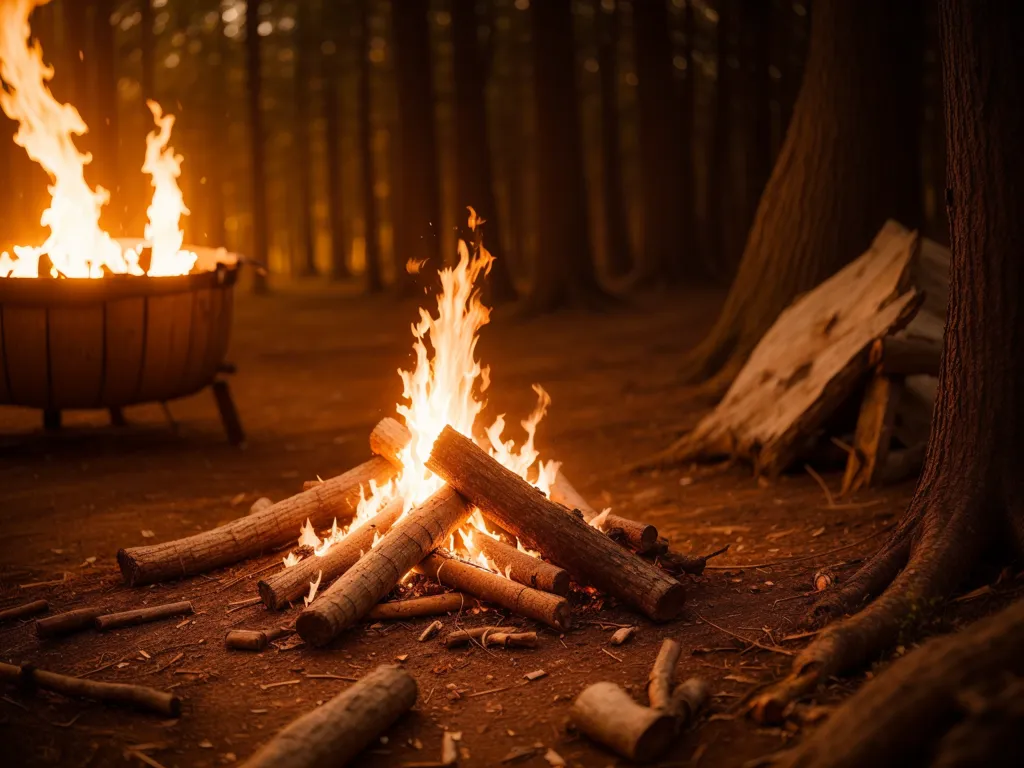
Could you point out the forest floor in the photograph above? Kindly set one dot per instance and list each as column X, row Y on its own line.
column 316, row 371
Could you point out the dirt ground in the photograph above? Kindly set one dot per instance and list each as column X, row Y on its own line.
column 316, row 370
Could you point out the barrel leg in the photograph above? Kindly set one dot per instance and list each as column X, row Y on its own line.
column 51, row 419
column 117, row 418
column 228, row 413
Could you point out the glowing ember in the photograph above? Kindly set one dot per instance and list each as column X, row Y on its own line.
column 77, row 247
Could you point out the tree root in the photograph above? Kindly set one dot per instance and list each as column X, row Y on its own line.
column 948, row 691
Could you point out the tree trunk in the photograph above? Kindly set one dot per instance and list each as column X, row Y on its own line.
column 216, row 122
column 719, row 172
column 364, row 139
column 616, row 230
column 563, row 260
column 416, row 181
column 755, row 48
column 473, row 166
column 850, row 161
column 304, row 42
column 329, row 61
column 254, row 72
column 968, row 508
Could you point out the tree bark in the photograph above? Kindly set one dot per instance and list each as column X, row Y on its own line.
column 329, row 62
column 850, row 161
column 474, row 171
column 969, row 504
column 564, row 271
column 257, row 158
column 417, row 183
column 364, row 140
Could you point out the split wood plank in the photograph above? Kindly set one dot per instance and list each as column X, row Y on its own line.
column 873, row 435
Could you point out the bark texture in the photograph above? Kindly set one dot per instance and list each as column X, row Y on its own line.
column 969, row 501
column 521, row 567
column 849, row 162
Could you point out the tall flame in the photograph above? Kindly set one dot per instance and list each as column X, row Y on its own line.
column 164, row 227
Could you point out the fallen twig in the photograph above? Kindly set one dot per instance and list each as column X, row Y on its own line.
column 747, row 640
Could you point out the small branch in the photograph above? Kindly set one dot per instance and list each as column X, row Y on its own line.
column 821, row 483
column 746, row 640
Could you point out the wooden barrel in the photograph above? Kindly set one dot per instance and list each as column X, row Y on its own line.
column 114, row 341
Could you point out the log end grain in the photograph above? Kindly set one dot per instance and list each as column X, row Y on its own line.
column 315, row 628
column 669, row 602
column 559, row 584
column 130, row 570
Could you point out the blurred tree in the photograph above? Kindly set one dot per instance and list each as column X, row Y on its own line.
column 850, row 160
column 473, row 166
column 371, row 220
column 616, row 229
column 331, row 60
column 417, row 210
column 305, row 42
column 216, row 121
column 257, row 158
column 755, row 19
column 721, row 190
column 564, row 271
column 105, row 103
column 147, row 50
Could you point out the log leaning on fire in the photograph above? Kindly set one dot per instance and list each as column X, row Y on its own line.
column 136, row 696
column 411, row 539
column 589, row 556
column 284, row 587
column 254, row 534
column 336, row 732
column 495, row 588
column 638, row 536
column 521, row 567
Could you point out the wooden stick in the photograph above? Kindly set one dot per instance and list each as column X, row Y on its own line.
column 607, row 714
column 253, row 639
column 142, row 615
column 282, row 588
column 687, row 699
column 463, row 636
column 430, row 631
column 67, row 623
column 521, row 567
column 136, row 696
column 24, row 611
column 589, row 556
column 518, row 598
column 433, row 605
column 622, row 635
column 638, row 536
column 659, row 683
column 253, row 534
column 389, row 438
column 334, row 733
column 510, row 640
column 352, row 596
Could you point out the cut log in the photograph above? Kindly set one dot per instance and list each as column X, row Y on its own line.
column 24, row 611
column 905, row 355
column 521, row 567
column 286, row 586
column 352, row 596
column 389, row 438
column 606, row 713
column 874, row 432
column 254, row 534
column 638, row 536
column 253, row 639
column 589, row 556
column 67, row 623
column 435, row 605
column 135, row 696
column 659, row 682
column 687, row 700
column 464, row 636
column 518, row 598
column 334, row 733
column 809, row 362
column 673, row 562
column 509, row 640
column 142, row 615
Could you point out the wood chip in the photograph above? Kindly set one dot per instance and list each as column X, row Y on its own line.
column 554, row 759
column 268, row 686
column 537, row 675
column 622, row 635
column 449, row 752
column 401, row 658
column 430, row 631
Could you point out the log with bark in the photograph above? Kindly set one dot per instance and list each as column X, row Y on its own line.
column 142, row 615
column 509, row 640
column 334, row 733
column 135, row 696
column 352, row 596
column 638, row 536
column 519, row 566
column 607, row 714
column 449, row 602
column 464, row 636
column 253, row 639
column 253, row 534
column 659, row 682
column 589, row 556
column 282, row 588
column 67, row 623
column 545, row 607
column 24, row 611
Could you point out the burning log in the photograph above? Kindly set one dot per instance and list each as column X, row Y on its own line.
column 335, row 732
column 282, row 588
column 389, row 438
column 361, row 587
column 659, row 683
column 24, row 611
column 607, row 714
column 522, row 600
column 136, row 696
column 420, row 606
column 589, row 556
column 254, row 534
column 253, row 639
column 638, row 536
column 521, row 567
column 67, row 623
column 142, row 615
